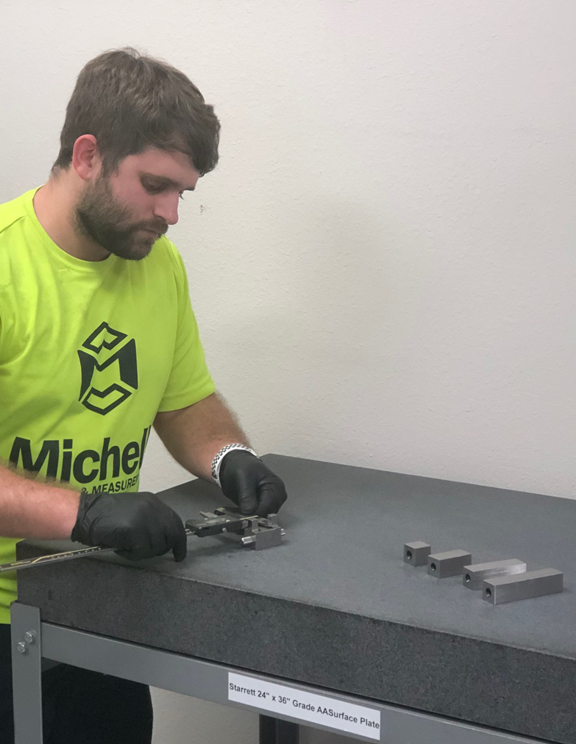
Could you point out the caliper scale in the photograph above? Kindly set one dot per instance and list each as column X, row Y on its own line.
column 252, row 531
column 255, row 532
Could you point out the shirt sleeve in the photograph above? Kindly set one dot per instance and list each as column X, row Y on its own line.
column 190, row 380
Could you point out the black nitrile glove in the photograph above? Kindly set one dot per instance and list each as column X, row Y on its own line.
column 136, row 525
column 247, row 482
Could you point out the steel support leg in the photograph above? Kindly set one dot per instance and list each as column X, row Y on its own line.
column 275, row 731
column 26, row 674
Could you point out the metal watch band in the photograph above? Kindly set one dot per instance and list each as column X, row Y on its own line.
column 217, row 461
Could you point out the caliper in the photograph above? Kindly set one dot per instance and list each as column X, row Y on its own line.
column 252, row 531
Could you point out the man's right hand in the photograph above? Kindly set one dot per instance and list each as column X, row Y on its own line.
column 136, row 525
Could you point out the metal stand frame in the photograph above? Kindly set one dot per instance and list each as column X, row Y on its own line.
column 275, row 731
column 33, row 640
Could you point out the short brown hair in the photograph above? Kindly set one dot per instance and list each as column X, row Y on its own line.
column 130, row 102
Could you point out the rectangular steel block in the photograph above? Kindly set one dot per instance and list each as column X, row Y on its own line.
column 525, row 586
column 416, row 553
column 473, row 576
column 450, row 563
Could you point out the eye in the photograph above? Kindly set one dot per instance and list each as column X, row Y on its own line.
column 152, row 189
column 182, row 196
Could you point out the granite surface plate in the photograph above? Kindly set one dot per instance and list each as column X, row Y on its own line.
column 335, row 605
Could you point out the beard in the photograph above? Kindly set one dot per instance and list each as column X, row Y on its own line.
column 100, row 217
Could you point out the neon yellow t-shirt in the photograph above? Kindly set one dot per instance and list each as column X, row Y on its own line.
column 90, row 352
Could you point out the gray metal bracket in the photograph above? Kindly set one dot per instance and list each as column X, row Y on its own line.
column 27, row 673
column 200, row 679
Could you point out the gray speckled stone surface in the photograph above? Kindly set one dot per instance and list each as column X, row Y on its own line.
column 336, row 606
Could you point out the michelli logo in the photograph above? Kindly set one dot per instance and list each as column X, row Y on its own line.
column 103, row 348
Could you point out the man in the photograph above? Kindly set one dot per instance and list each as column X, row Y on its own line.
column 98, row 343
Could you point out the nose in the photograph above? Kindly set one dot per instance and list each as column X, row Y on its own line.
column 166, row 208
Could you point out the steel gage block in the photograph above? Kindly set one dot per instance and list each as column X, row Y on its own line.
column 524, row 586
column 473, row 576
column 416, row 553
column 451, row 563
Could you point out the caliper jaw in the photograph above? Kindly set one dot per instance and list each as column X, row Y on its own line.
column 253, row 531
column 218, row 525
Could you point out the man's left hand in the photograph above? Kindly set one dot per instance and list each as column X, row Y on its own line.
column 252, row 486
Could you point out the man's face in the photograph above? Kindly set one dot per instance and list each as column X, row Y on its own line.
column 128, row 211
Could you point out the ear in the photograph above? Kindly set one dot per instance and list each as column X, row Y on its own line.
column 86, row 157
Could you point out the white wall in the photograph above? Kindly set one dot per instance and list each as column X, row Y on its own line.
column 383, row 264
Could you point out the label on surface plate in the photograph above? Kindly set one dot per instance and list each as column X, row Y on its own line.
column 307, row 706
